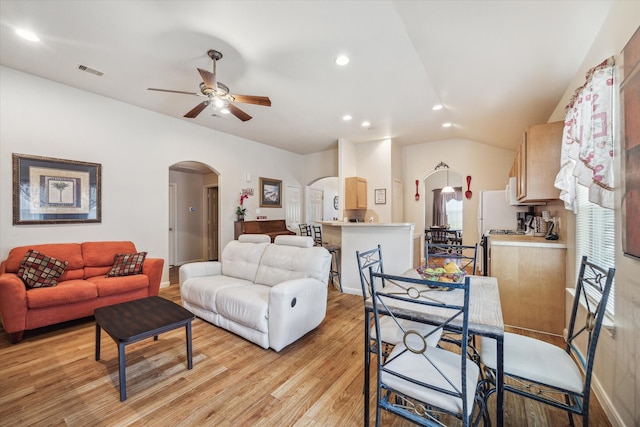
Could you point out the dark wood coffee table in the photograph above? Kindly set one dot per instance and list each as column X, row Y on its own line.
column 133, row 321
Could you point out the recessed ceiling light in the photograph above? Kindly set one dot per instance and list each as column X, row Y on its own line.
column 342, row 60
column 346, row 117
column 27, row 35
column 437, row 107
column 365, row 124
column 447, row 125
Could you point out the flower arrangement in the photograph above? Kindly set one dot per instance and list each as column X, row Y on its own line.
column 240, row 210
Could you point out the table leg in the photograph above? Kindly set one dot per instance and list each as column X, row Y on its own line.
column 189, row 349
column 98, row 341
column 121, row 368
column 500, row 382
column 367, row 363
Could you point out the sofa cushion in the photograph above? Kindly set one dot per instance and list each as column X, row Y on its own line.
column 127, row 264
column 38, row 270
column 67, row 292
column 240, row 259
column 203, row 291
column 280, row 263
column 118, row 285
column 246, row 305
column 69, row 252
column 99, row 256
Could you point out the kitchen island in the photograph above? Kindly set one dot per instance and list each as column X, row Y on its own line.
column 396, row 240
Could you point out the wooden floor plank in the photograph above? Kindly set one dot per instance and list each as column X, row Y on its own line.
column 52, row 378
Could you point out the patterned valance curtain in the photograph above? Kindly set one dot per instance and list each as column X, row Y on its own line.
column 440, row 200
column 587, row 139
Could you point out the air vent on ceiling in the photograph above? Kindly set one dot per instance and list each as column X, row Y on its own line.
column 90, row 70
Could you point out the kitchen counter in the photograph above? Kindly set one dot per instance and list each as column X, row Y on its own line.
column 395, row 239
column 526, row 241
column 366, row 224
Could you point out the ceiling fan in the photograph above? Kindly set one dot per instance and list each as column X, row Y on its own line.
column 217, row 93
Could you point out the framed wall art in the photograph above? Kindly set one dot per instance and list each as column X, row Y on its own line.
column 380, row 196
column 270, row 193
column 55, row 191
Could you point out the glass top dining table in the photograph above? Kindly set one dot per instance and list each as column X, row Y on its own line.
column 485, row 319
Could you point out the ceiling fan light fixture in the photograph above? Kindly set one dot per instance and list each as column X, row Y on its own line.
column 225, row 111
column 219, row 103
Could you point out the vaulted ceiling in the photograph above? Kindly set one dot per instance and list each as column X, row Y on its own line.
column 496, row 66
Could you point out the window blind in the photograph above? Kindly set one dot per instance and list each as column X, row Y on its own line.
column 595, row 236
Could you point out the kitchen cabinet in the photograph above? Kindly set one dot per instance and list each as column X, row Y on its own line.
column 531, row 278
column 537, row 162
column 355, row 189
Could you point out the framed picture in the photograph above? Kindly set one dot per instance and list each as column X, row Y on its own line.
column 380, row 195
column 270, row 193
column 55, row 191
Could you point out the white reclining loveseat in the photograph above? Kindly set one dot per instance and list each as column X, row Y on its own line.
column 269, row 293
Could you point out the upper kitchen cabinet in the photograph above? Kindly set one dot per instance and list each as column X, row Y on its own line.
column 537, row 163
column 355, row 189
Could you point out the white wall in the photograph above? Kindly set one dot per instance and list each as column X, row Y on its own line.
column 617, row 370
column 136, row 148
column 488, row 166
column 374, row 165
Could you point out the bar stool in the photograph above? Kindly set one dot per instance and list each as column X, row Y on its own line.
column 305, row 230
column 334, row 270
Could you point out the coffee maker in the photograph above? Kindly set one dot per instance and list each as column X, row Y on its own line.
column 521, row 220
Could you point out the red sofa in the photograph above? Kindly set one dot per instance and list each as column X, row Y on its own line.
column 82, row 287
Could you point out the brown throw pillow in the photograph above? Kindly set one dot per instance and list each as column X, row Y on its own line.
column 38, row 270
column 127, row 264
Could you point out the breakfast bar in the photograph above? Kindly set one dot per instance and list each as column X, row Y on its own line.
column 396, row 240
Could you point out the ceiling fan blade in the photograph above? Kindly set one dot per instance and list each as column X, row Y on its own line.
column 239, row 113
column 248, row 99
column 197, row 110
column 172, row 91
column 208, row 78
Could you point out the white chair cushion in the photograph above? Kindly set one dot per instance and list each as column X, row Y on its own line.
column 417, row 367
column 536, row 360
column 281, row 263
column 246, row 305
column 240, row 259
column 203, row 291
column 254, row 238
column 299, row 241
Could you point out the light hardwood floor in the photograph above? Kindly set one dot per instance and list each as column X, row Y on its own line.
column 52, row 378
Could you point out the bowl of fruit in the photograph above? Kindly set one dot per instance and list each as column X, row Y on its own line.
column 450, row 273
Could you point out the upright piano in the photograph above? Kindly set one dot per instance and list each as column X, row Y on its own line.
column 271, row 227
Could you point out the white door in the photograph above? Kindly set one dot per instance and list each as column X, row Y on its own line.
column 293, row 206
column 172, row 224
column 397, row 214
column 315, row 212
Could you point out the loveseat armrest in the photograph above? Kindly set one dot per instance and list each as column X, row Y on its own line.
column 13, row 303
column 295, row 307
column 199, row 269
column 152, row 268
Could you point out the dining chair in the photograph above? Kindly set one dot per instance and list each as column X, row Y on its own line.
column 305, row 230
column 465, row 257
column 548, row 373
column 372, row 259
column 334, row 270
column 418, row 381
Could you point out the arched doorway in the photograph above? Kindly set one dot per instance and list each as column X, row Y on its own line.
column 439, row 212
column 193, row 213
